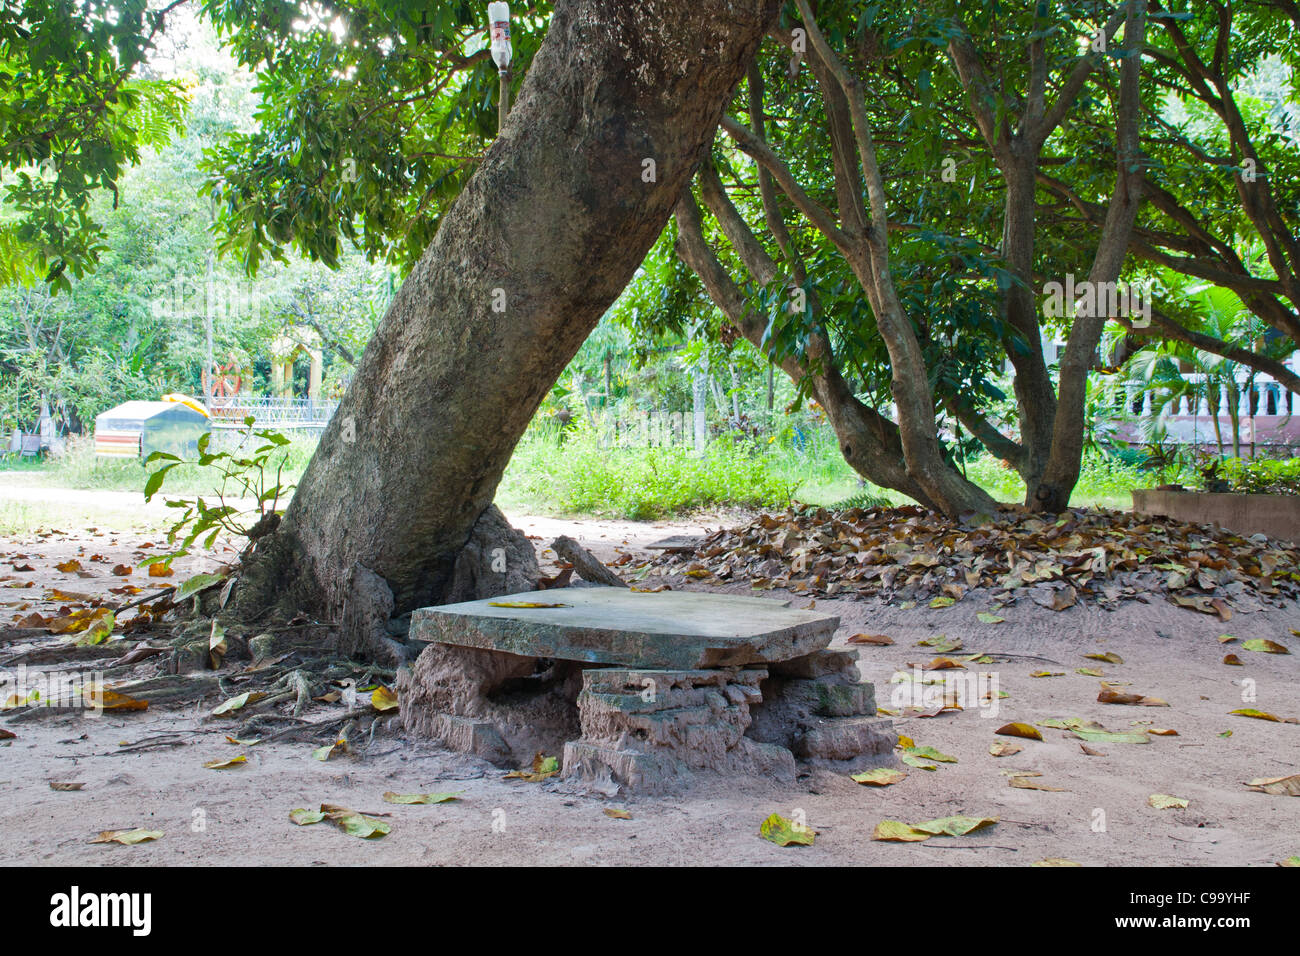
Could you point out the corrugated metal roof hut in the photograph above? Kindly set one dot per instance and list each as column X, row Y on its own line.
column 138, row 429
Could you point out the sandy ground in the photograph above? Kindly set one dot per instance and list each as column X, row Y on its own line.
column 1100, row 817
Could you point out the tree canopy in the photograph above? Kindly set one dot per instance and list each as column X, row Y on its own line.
column 889, row 196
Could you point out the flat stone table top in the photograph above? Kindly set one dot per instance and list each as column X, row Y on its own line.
column 673, row 630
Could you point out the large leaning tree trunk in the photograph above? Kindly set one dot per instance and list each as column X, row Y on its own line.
column 618, row 107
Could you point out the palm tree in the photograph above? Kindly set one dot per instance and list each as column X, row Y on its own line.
column 1176, row 371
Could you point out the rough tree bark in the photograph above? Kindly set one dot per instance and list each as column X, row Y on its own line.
column 619, row 105
column 1061, row 470
column 1015, row 132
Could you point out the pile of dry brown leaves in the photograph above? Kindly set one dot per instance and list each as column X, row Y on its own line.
column 912, row 554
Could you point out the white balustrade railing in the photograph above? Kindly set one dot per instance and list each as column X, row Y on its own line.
column 1264, row 396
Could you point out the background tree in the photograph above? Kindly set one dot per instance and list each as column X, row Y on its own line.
column 950, row 280
column 76, row 107
column 1221, row 169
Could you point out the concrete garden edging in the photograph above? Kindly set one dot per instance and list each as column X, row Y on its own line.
column 1277, row 516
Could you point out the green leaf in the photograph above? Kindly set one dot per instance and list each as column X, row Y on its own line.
column 1264, row 646
column 931, row 754
column 237, row 702
column 777, row 829
column 128, row 837
column 155, row 480
column 192, row 586
column 899, row 832
column 359, row 825
column 879, row 777
column 421, row 798
column 955, row 826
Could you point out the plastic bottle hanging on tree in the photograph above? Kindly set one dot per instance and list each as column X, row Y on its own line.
column 499, row 18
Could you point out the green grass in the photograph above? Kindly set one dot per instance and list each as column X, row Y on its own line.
column 1104, row 481
column 579, row 477
column 80, row 467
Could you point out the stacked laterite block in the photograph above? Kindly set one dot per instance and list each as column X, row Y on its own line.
column 644, row 690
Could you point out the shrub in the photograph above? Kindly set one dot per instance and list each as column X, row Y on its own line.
column 1262, row 476
column 640, row 482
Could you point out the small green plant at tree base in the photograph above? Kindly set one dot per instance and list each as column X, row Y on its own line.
column 864, row 499
column 257, row 476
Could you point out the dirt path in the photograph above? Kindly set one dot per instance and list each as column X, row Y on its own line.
column 1100, row 816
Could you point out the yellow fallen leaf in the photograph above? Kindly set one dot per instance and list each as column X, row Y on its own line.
column 878, row 639
column 1110, row 657
column 1017, row 729
column 1109, row 695
column 899, row 832
column 1264, row 646
column 421, row 798
column 617, row 814
column 1163, row 801
column 523, row 604
column 1262, row 715
column 1055, row 861
column 1278, row 786
column 1003, row 748
column 543, row 767
column 383, row 698
column 954, row 826
column 879, row 777
column 75, row 622
column 127, row 837
column 223, row 764
column 361, row 825
column 339, row 746
column 98, row 697
column 99, row 628
column 777, row 829
column 1022, row 781
column 929, row 753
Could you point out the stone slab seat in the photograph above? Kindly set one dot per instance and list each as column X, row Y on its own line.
column 673, row 630
column 642, row 689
